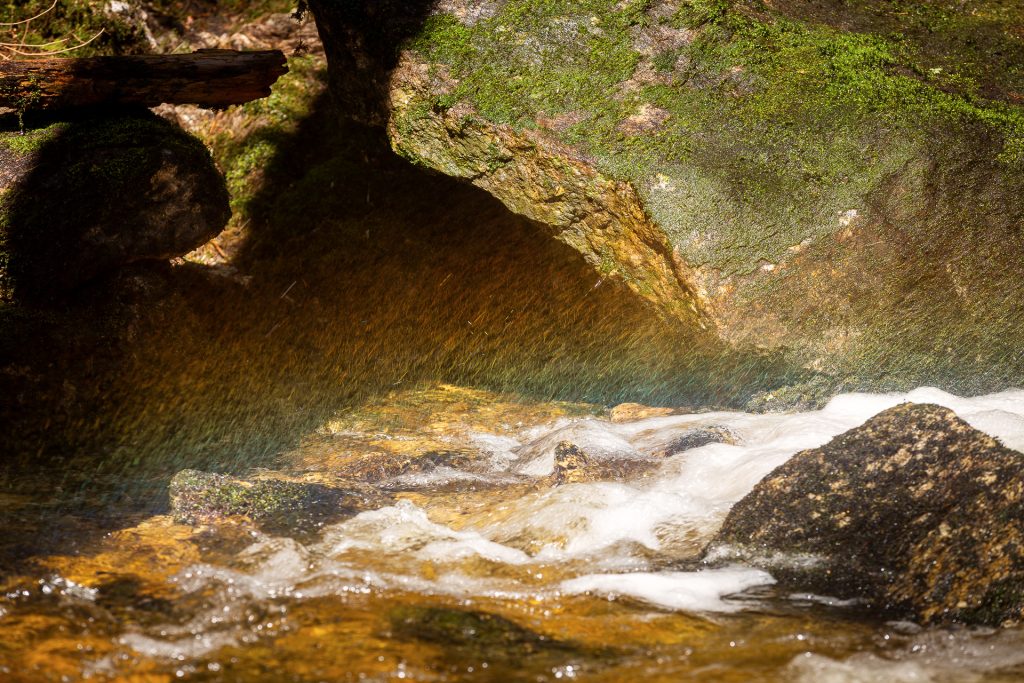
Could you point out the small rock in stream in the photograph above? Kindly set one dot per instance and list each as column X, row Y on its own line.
column 915, row 511
column 571, row 464
column 701, row 436
column 488, row 637
column 574, row 466
column 198, row 497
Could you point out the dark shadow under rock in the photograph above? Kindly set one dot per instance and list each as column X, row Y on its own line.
column 914, row 511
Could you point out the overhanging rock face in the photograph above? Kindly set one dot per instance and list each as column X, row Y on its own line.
column 755, row 172
column 547, row 181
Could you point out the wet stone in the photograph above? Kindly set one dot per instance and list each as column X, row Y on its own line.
column 574, row 466
column 702, row 436
column 571, row 464
column 375, row 467
column 201, row 497
column 489, row 636
column 915, row 512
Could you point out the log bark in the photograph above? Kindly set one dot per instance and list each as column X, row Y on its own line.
column 208, row 78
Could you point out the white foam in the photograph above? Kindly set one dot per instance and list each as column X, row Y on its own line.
column 598, row 529
column 683, row 505
column 598, row 438
column 703, row 591
column 406, row 528
column 931, row 656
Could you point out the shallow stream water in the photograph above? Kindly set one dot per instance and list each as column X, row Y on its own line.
column 485, row 570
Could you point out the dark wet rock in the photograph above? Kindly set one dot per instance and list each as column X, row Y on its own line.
column 83, row 198
column 198, row 497
column 700, row 436
column 574, row 466
column 571, row 464
column 914, row 511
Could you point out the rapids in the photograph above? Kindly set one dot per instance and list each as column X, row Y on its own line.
column 487, row 572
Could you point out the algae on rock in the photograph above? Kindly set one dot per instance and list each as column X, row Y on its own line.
column 82, row 198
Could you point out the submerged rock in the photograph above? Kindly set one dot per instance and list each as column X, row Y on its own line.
column 83, row 198
column 488, row 636
column 198, row 497
column 914, row 511
column 377, row 466
column 700, row 436
column 628, row 412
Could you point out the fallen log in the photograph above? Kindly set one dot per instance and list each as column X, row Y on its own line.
column 208, row 78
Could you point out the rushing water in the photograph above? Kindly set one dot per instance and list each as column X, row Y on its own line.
column 486, row 571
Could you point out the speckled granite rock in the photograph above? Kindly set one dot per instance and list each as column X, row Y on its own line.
column 574, row 466
column 915, row 511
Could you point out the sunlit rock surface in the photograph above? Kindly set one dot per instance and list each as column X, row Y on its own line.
column 915, row 511
column 838, row 181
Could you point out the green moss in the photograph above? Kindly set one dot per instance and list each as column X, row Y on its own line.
column 197, row 496
column 536, row 56
column 75, row 22
column 30, row 141
column 244, row 9
column 665, row 61
column 70, row 23
column 273, row 120
column 776, row 126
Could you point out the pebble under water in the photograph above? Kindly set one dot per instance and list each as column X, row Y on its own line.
column 487, row 571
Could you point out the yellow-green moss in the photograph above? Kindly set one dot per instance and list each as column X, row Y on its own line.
column 273, row 120
column 775, row 127
column 102, row 32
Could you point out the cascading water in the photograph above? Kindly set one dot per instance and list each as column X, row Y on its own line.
column 488, row 571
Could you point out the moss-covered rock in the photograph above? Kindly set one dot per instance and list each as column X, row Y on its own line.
column 198, row 497
column 82, row 198
column 914, row 511
column 842, row 181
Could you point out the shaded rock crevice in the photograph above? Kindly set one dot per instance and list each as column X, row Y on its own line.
column 546, row 181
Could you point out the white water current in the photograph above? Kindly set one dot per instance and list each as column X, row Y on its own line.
column 611, row 539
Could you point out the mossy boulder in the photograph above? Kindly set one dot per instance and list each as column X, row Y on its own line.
column 81, row 198
column 201, row 497
column 839, row 181
column 914, row 511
